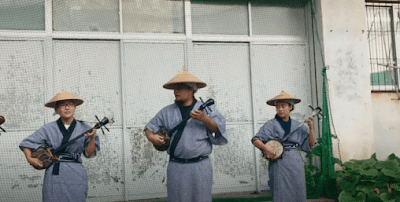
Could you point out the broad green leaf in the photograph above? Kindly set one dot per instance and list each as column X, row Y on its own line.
column 391, row 173
column 365, row 188
column 387, row 197
column 369, row 163
column 347, row 197
column 348, row 186
column 370, row 172
column 392, row 165
column 373, row 197
column 393, row 157
column 396, row 186
column 373, row 156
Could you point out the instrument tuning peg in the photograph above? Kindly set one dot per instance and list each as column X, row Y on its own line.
column 2, row 129
column 97, row 118
column 106, row 128
column 102, row 130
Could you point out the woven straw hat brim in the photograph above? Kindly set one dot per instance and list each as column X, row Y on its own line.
column 173, row 85
column 283, row 96
column 63, row 96
column 184, row 77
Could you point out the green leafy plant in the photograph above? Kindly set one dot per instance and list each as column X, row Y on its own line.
column 370, row 180
column 312, row 172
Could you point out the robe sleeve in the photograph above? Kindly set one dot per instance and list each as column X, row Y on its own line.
column 265, row 133
column 156, row 123
column 221, row 139
column 304, row 144
column 96, row 140
column 36, row 140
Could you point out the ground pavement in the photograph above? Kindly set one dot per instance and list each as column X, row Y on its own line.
column 238, row 195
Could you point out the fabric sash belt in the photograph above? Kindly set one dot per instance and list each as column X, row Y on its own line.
column 66, row 157
column 289, row 147
column 192, row 160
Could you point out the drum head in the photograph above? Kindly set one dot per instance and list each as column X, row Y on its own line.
column 278, row 149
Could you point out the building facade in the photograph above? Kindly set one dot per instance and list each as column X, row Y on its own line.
column 117, row 54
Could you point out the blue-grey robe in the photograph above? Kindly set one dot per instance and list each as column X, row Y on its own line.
column 190, row 182
column 286, row 175
column 72, row 183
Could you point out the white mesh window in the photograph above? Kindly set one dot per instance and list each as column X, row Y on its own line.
column 22, row 15
column 277, row 20
column 155, row 16
column 86, row 15
column 220, row 19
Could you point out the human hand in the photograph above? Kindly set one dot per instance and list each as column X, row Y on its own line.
column 35, row 162
column 199, row 115
column 309, row 122
column 91, row 135
column 157, row 140
column 268, row 152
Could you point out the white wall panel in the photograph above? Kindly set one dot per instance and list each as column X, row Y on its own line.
column 225, row 69
column 91, row 71
column 105, row 171
column 277, row 68
column 18, row 180
column 147, row 67
column 22, row 89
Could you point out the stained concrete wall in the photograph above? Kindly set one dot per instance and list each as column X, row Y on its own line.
column 347, row 57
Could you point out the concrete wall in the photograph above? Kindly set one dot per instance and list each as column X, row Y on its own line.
column 386, row 110
column 346, row 54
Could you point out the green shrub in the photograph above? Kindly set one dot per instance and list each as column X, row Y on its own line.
column 370, row 180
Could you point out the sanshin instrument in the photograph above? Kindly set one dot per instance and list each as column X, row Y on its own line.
column 165, row 134
column 48, row 156
column 2, row 119
column 278, row 146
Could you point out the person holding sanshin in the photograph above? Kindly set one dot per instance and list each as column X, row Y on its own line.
column 286, row 175
column 189, row 172
column 66, row 179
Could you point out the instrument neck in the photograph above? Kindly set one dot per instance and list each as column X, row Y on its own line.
column 70, row 141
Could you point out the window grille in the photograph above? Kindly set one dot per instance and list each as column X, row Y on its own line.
column 383, row 26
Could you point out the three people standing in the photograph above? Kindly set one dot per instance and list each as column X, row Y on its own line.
column 189, row 172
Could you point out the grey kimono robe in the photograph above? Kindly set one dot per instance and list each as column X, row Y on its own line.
column 71, row 182
column 286, row 175
column 190, row 182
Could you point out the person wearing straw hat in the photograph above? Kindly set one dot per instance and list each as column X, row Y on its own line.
column 286, row 175
column 189, row 172
column 66, row 179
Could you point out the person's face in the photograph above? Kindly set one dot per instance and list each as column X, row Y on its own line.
column 66, row 109
column 283, row 109
column 182, row 93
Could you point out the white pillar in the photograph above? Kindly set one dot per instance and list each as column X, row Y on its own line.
column 345, row 47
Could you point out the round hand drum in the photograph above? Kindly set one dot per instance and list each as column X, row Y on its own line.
column 164, row 134
column 278, row 149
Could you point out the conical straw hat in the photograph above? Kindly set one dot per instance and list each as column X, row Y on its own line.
column 184, row 77
column 63, row 96
column 283, row 96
